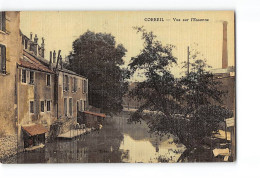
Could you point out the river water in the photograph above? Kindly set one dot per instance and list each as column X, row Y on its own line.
column 116, row 142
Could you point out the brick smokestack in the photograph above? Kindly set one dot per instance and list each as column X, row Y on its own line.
column 224, row 47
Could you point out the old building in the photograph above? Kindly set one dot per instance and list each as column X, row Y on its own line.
column 226, row 75
column 10, row 54
column 72, row 94
column 50, row 93
column 227, row 83
column 35, row 93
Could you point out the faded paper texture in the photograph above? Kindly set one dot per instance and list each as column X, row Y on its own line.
column 117, row 86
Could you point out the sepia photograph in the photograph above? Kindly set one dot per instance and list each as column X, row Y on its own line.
column 117, row 87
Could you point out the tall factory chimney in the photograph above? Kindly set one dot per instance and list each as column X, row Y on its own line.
column 224, row 47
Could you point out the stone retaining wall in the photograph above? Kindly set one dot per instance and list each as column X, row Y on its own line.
column 8, row 146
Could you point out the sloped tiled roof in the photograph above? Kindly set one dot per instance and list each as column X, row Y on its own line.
column 29, row 61
column 35, row 129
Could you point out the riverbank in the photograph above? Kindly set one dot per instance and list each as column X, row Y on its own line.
column 117, row 142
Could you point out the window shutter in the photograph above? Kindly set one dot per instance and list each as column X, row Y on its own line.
column 68, row 83
column 63, row 82
column 82, row 86
column 3, row 21
column 3, row 59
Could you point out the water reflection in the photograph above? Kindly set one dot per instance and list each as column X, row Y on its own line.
column 116, row 142
column 143, row 151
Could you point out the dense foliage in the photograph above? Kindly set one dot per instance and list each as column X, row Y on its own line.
column 187, row 107
column 97, row 57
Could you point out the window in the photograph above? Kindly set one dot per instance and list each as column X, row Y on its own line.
column 2, row 21
column 78, row 106
column 75, row 84
column 48, row 80
column 85, row 105
column 23, row 76
column 65, row 83
column 42, row 106
column 65, row 107
column 70, row 106
column 81, row 105
column 31, row 77
column 2, row 59
column 85, row 86
column 31, row 107
column 48, row 105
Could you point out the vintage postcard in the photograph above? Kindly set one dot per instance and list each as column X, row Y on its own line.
column 117, row 87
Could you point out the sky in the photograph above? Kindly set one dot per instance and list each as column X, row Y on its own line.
column 61, row 28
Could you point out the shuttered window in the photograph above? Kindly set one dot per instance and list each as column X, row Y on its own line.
column 48, row 105
column 85, row 86
column 85, row 105
column 75, row 84
column 31, row 77
column 2, row 59
column 42, row 106
column 31, row 107
column 70, row 106
column 81, row 105
column 65, row 83
column 65, row 107
column 48, row 80
column 23, row 76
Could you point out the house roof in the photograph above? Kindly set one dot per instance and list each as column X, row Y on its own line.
column 222, row 70
column 29, row 61
column 70, row 72
column 95, row 114
column 35, row 129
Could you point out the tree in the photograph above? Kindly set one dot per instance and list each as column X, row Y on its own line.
column 183, row 107
column 97, row 57
column 159, row 83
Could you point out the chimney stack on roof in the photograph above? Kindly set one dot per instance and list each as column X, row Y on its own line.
column 224, row 47
column 34, row 45
column 54, row 57
column 35, row 39
column 61, row 63
column 42, row 48
column 50, row 58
